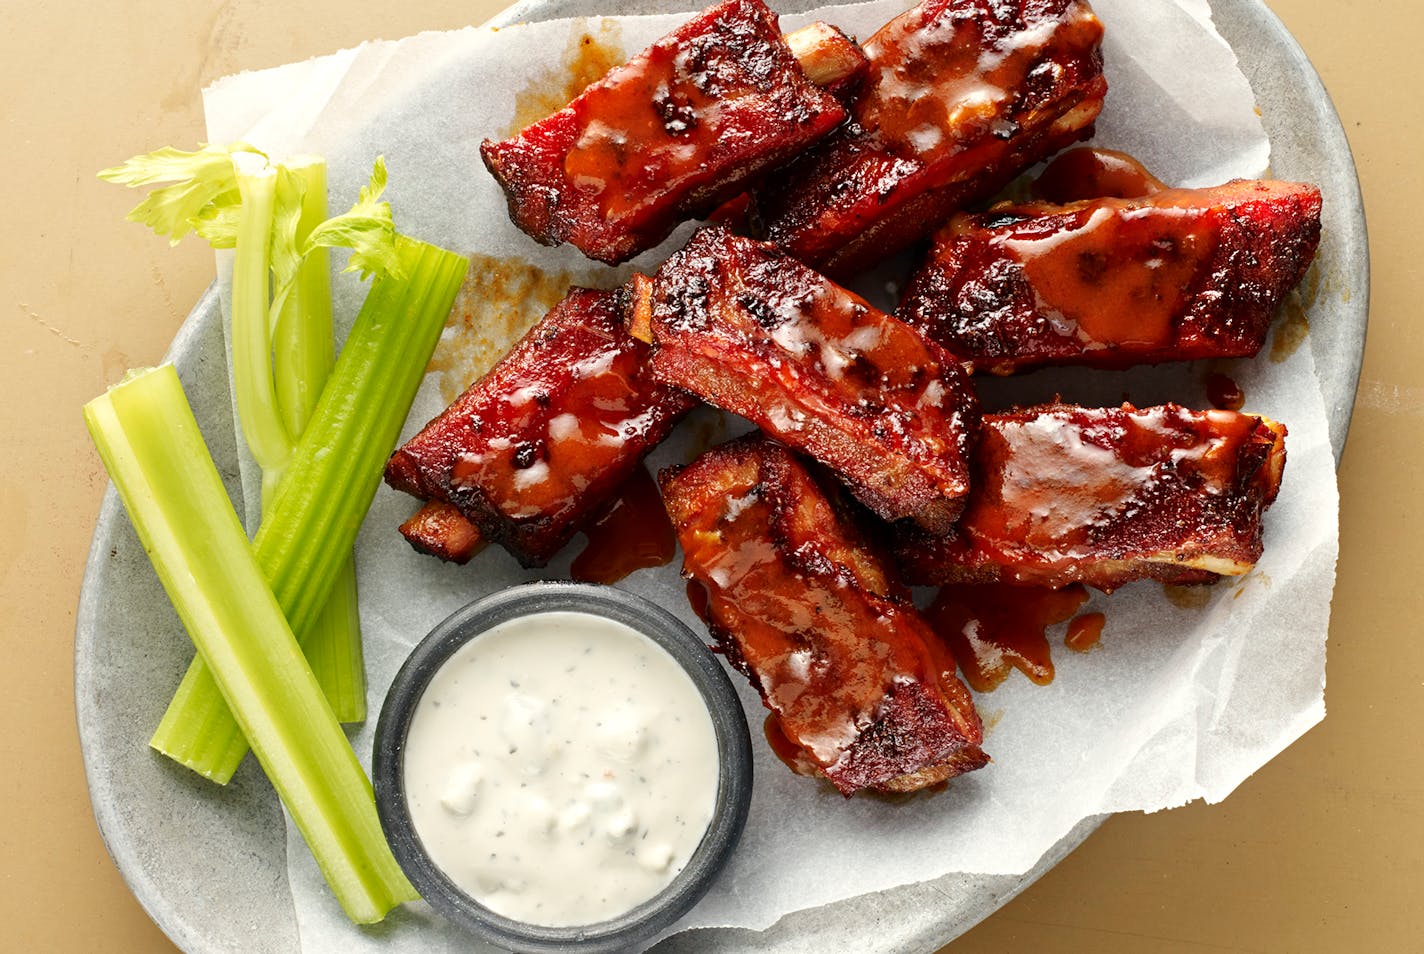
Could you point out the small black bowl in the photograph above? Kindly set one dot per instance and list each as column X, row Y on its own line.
column 734, row 788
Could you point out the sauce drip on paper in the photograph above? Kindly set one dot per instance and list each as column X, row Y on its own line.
column 633, row 534
column 1088, row 173
column 500, row 300
column 1224, row 393
column 994, row 628
column 783, row 748
column 699, row 600
column 1084, row 632
column 586, row 59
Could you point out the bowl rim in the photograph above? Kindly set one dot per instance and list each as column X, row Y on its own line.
column 643, row 922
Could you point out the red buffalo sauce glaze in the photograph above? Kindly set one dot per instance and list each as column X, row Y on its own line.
column 993, row 628
column 801, row 606
column 1114, row 277
column 676, row 130
column 1223, row 392
column 633, row 534
column 942, row 80
column 783, row 748
column 962, row 95
column 752, row 331
column 697, row 598
column 1103, row 496
column 1089, row 173
column 1110, row 282
column 542, row 442
column 1084, row 632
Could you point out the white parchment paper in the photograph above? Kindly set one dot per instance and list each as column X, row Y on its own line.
column 1178, row 702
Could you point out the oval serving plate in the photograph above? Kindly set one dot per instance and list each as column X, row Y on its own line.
column 210, row 865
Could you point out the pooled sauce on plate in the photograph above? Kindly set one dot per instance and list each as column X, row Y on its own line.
column 1224, row 393
column 561, row 768
column 633, row 534
column 1089, row 173
column 993, row 628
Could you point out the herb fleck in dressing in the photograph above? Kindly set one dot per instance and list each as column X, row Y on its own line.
column 561, row 768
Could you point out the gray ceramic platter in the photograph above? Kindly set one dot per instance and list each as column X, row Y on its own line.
column 209, row 865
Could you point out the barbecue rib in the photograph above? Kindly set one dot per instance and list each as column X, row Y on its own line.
column 747, row 328
column 844, row 661
column 536, row 446
column 1104, row 496
column 674, row 132
column 441, row 530
column 1181, row 274
column 962, row 95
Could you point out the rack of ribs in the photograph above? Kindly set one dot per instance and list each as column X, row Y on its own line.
column 747, row 328
column 1176, row 275
column 674, row 132
column 851, row 672
column 1104, row 496
column 961, row 96
column 538, row 445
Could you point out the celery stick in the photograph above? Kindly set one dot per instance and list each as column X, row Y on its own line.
column 332, row 476
column 304, row 347
column 275, row 217
column 253, row 386
column 333, row 649
column 150, row 444
column 303, row 353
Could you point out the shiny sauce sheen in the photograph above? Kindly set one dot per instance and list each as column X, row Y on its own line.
column 644, row 130
column 1224, row 393
column 1084, row 632
column 841, row 345
column 538, row 456
column 1057, row 482
column 940, row 80
column 1143, row 258
column 821, row 670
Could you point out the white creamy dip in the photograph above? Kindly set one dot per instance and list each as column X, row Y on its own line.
column 561, row 768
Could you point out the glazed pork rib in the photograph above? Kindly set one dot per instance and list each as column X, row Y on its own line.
column 1180, row 274
column 1104, row 496
column 535, row 447
column 852, row 674
column 674, row 132
column 748, row 329
column 441, row 530
column 962, row 96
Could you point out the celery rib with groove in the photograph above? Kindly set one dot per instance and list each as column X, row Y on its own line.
column 152, row 448
column 332, row 476
column 303, row 353
column 281, row 343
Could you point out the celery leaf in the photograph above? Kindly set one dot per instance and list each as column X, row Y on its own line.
column 199, row 178
column 217, row 223
column 287, row 252
column 368, row 230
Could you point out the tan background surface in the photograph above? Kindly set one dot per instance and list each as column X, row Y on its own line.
column 1323, row 850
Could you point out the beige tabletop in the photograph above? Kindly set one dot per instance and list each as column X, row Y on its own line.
column 1322, row 850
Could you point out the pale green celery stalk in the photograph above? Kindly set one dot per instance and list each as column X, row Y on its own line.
column 332, row 477
column 267, row 437
column 304, row 347
column 150, row 443
column 302, row 357
column 235, row 197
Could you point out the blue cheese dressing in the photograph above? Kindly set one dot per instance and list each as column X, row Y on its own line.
column 561, row 768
